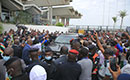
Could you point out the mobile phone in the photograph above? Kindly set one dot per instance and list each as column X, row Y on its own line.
column 92, row 32
column 113, row 63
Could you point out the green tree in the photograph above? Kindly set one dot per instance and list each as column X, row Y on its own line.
column 122, row 15
column 115, row 20
column 60, row 24
column 23, row 18
column 1, row 28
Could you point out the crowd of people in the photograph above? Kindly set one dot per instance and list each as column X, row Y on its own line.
column 97, row 55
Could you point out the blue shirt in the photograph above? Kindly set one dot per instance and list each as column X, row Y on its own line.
column 25, row 54
column 119, row 47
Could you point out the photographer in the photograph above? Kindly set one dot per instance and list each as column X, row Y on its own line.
column 124, row 73
column 117, row 75
column 108, row 53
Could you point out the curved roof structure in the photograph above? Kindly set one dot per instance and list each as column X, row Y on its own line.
column 66, row 12
column 32, row 8
column 46, row 3
column 14, row 5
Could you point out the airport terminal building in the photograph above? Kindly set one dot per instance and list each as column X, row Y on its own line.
column 38, row 11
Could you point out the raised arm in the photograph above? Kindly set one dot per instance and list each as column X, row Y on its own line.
column 93, row 38
column 127, row 35
column 98, row 43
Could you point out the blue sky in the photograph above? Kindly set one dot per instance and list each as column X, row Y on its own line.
column 92, row 11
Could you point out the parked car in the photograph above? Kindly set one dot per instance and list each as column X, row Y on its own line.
column 62, row 40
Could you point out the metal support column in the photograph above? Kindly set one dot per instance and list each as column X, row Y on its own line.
column 57, row 19
column 67, row 21
column 50, row 15
column 63, row 20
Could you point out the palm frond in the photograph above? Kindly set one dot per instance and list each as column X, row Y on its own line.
column 114, row 19
column 123, row 13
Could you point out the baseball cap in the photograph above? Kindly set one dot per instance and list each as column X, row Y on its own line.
column 73, row 51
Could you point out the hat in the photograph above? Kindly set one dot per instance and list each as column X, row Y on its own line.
column 73, row 51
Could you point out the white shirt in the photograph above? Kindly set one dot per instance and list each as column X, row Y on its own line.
column 38, row 73
column 101, row 56
column 126, row 69
column 37, row 46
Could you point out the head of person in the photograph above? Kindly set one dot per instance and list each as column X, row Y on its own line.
column 48, row 54
column 1, row 39
column 14, row 67
column 47, row 32
column 46, row 43
column 128, row 57
column 124, row 36
column 108, row 53
column 33, row 53
column 29, row 41
column 64, row 50
column 104, row 46
column 127, row 44
column 83, row 53
column 16, row 41
column 75, row 45
column 8, row 53
column 36, row 37
column 92, row 49
column 112, row 42
column 11, row 31
column 89, row 42
column 15, row 37
column 73, row 54
column 85, row 43
column 23, row 38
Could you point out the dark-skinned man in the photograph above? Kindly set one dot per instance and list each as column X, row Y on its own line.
column 17, row 49
column 70, row 70
column 49, row 64
column 63, row 58
column 6, row 55
column 35, row 69
column 75, row 45
column 93, row 55
column 2, row 61
column 86, row 65
column 15, row 70
column 25, row 53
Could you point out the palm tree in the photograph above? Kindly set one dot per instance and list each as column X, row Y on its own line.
column 122, row 15
column 115, row 20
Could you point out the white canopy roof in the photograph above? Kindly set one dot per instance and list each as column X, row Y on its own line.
column 33, row 9
column 66, row 12
column 46, row 3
